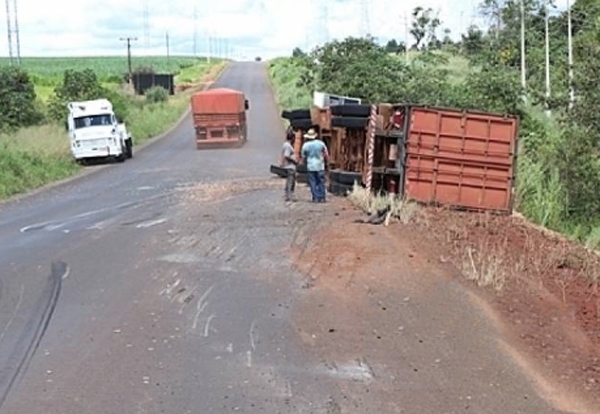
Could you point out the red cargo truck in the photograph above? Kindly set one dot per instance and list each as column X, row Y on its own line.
column 219, row 118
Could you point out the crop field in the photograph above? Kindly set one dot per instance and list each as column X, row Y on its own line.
column 46, row 73
column 107, row 68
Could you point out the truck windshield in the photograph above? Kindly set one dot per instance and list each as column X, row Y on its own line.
column 92, row 120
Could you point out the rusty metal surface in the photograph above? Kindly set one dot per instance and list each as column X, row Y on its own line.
column 461, row 159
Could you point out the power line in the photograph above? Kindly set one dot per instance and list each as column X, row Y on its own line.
column 365, row 25
column 146, row 26
column 570, row 46
column 12, row 29
column 195, row 31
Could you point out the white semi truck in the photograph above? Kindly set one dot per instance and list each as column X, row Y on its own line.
column 95, row 131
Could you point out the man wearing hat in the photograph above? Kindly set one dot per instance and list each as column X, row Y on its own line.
column 315, row 153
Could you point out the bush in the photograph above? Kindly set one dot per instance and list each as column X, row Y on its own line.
column 76, row 86
column 18, row 104
column 82, row 86
column 157, row 94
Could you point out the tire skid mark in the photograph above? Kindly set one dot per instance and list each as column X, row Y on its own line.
column 18, row 362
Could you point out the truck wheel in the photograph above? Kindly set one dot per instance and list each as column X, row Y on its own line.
column 340, row 190
column 358, row 111
column 304, row 123
column 345, row 177
column 295, row 114
column 350, row 122
column 122, row 156
column 129, row 146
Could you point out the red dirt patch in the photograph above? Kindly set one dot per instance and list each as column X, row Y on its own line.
column 547, row 298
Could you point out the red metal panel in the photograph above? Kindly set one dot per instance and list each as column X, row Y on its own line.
column 462, row 136
column 218, row 101
column 461, row 159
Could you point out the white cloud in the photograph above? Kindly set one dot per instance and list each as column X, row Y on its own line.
column 252, row 27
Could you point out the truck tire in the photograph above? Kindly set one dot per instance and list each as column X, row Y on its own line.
column 296, row 114
column 129, row 147
column 337, row 189
column 351, row 110
column 279, row 171
column 304, row 123
column 350, row 122
column 345, row 177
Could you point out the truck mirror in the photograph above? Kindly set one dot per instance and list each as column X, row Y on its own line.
column 66, row 125
column 247, row 104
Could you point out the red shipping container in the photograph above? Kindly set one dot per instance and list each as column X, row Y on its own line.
column 461, row 159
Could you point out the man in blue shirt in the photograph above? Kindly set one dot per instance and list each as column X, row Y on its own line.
column 315, row 153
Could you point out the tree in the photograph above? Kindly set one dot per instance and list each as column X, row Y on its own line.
column 82, row 86
column 472, row 42
column 17, row 106
column 392, row 46
column 424, row 26
column 346, row 68
column 297, row 52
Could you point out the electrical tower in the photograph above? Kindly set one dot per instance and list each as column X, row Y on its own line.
column 365, row 24
column 12, row 29
column 146, row 26
column 322, row 21
column 195, row 31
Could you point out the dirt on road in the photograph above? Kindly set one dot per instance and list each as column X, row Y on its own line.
column 538, row 291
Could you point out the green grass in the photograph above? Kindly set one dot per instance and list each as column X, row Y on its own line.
column 38, row 155
column 458, row 67
column 284, row 75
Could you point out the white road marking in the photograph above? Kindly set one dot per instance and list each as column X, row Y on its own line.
column 206, row 327
column 150, row 223
column 67, row 273
column 249, row 358
column 252, row 335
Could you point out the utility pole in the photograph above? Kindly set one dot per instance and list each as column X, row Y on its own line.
column 570, row 42
column 406, row 36
column 523, row 51
column 12, row 26
column 146, row 26
column 195, row 30
column 128, row 40
column 208, row 47
column 167, row 40
column 546, row 21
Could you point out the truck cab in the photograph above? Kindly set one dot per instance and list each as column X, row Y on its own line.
column 94, row 131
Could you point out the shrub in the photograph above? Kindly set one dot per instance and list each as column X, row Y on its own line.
column 18, row 104
column 157, row 94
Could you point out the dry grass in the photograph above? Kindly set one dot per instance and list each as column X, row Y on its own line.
column 48, row 139
column 399, row 209
column 485, row 267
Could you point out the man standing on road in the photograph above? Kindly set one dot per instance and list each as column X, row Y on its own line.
column 315, row 153
column 288, row 161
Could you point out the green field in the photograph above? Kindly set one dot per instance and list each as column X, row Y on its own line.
column 46, row 73
column 108, row 68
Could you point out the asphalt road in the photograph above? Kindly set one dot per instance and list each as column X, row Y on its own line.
column 171, row 292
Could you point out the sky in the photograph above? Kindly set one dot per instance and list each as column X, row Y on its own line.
column 243, row 28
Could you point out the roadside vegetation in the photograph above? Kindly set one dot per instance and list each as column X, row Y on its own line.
column 34, row 148
column 558, row 172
